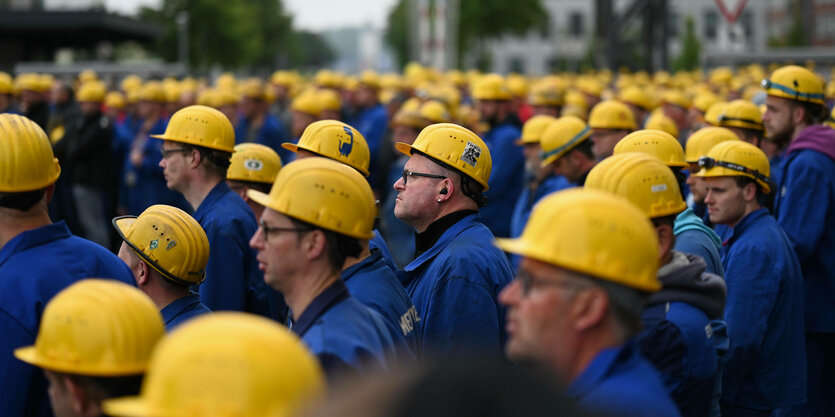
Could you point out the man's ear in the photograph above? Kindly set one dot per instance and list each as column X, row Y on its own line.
column 666, row 239
column 142, row 273
column 589, row 308
column 749, row 192
column 81, row 402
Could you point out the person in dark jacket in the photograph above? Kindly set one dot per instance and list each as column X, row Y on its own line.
column 678, row 320
column 805, row 208
column 764, row 310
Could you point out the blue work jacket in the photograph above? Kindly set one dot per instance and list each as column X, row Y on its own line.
column 182, row 310
column 34, row 266
column 372, row 123
column 345, row 334
column 506, row 178
column 455, row 286
column 271, row 134
column 233, row 281
column 805, row 209
column 144, row 186
column 372, row 282
column 620, row 382
column 766, row 363
column 695, row 238
column 377, row 242
column 524, row 205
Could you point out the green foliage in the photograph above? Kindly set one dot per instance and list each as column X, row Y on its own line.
column 310, row 50
column 480, row 20
column 689, row 57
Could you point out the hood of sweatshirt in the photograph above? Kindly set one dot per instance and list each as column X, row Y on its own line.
column 684, row 279
column 818, row 138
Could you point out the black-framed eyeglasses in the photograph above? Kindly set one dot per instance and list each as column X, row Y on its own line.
column 529, row 281
column 407, row 174
column 268, row 230
column 707, row 162
column 166, row 152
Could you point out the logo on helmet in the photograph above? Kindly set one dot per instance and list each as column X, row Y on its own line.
column 471, row 154
column 253, row 165
column 346, row 147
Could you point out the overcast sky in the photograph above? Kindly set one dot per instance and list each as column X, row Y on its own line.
column 314, row 15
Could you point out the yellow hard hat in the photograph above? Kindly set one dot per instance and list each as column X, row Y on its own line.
column 200, row 126
column 618, row 241
column 152, row 91
column 307, row 102
column 517, row 85
column 546, row 93
column 455, row 146
column 491, row 87
column 253, row 88
column 172, row 92
column 675, row 97
column 132, row 96
column 225, row 97
column 226, row 80
column 704, row 100
column 114, row 100
column 736, row 158
column 656, row 143
column 169, row 240
column 533, row 129
column 96, row 327
column 26, row 159
column 660, row 121
column 562, row 136
column 45, row 82
column 253, row 162
column 700, row 142
column 637, row 96
column 590, row 86
column 131, row 82
column 335, row 140
column 612, row 114
column 91, row 91
column 284, row 78
column 795, row 83
column 328, row 100
column 324, row 193
column 714, row 112
column 743, row 114
column 6, row 83
column 87, row 75
column 223, row 365
column 641, row 179
column 28, row 82
column 370, row 79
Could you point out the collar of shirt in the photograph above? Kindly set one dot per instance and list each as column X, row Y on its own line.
column 598, row 370
column 171, row 311
column 213, row 197
column 744, row 224
column 440, row 243
column 32, row 238
column 425, row 240
column 322, row 303
column 352, row 270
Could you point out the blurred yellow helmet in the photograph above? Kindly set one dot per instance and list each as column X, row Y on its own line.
column 491, row 87
column 700, row 142
column 223, row 365
column 308, row 103
column 619, row 243
column 26, row 159
column 200, row 126
column 335, row 140
column 704, row 100
column 169, row 240
column 455, row 146
column 328, row 100
column 736, row 158
column 742, row 114
column 546, row 93
column 561, row 136
column 641, row 179
column 335, row 196
column 91, row 91
column 131, row 82
column 675, row 97
column 612, row 114
column 96, row 327
column 656, row 143
column 714, row 112
column 152, row 91
column 533, row 129
column 6, row 83
column 114, row 100
column 795, row 83
column 637, row 96
column 253, row 162
column 660, row 121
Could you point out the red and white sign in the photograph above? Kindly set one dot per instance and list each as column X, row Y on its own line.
column 731, row 9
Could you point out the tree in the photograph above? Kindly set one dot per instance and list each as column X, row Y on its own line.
column 480, row 20
column 310, row 50
column 689, row 57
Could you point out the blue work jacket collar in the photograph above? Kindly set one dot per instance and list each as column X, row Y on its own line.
column 171, row 311
column 32, row 238
column 744, row 224
column 443, row 241
column 598, row 370
column 359, row 266
column 322, row 303
column 211, row 199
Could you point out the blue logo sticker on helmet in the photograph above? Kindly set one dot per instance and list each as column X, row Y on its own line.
column 346, row 147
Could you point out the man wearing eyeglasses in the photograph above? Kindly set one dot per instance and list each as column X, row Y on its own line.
column 457, row 273
column 198, row 145
column 765, row 368
column 805, row 208
column 576, row 303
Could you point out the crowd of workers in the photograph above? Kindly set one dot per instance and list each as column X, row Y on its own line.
column 633, row 244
